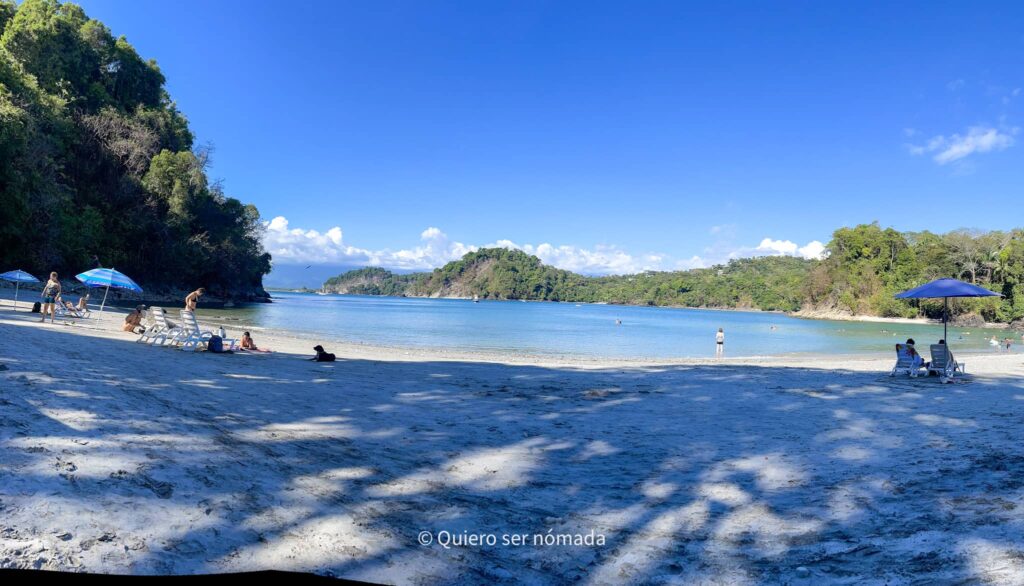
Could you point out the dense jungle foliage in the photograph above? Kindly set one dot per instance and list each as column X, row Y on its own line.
column 99, row 162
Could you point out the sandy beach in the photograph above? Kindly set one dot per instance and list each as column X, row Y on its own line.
column 122, row 458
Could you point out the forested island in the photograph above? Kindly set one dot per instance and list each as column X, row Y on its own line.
column 99, row 162
column 866, row 265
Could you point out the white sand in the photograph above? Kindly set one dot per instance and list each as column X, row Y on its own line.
column 117, row 457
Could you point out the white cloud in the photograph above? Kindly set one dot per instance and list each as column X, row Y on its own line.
column 297, row 246
column 601, row 260
column 780, row 247
column 814, row 249
column 694, row 262
column 978, row 139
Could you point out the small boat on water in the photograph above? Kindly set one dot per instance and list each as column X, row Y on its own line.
column 476, row 299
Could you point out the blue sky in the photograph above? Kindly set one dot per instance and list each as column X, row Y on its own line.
column 606, row 137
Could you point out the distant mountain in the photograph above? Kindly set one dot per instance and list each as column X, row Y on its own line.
column 770, row 283
column 489, row 273
column 309, row 276
column 297, row 276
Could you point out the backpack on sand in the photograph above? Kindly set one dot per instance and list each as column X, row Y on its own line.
column 216, row 345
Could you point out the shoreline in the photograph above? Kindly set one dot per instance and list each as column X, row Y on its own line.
column 7, row 294
column 297, row 343
column 809, row 314
column 30, row 293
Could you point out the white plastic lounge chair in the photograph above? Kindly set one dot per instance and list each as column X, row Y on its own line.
column 151, row 325
column 79, row 313
column 943, row 362
column 82, row 307
column 905, row 362
column 195, row 334
column 61, row 312
column 192, row 335
column 163, row 332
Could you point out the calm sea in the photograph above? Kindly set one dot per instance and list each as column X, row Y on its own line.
column 569, row 329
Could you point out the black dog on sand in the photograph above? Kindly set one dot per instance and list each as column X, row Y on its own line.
column 322, row 355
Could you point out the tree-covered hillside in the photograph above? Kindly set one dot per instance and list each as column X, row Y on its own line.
column 499, row 273
column 97, row 160
column 866, row 266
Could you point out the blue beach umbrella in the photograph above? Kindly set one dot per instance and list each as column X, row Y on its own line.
column 946, row 288
column 108, row 278
column 18, row 277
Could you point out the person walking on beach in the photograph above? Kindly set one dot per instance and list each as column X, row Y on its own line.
column 720, row 343
column 50, row 294
column 193, row 299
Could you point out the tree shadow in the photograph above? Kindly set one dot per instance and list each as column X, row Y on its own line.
column 132, row 459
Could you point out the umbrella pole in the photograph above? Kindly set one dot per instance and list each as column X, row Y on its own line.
column 104, row 304
column 16, row 286
column 945, row 319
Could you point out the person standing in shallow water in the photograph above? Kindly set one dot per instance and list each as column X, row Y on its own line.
column 720, row 343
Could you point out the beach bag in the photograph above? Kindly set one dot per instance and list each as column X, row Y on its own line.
column 216, row 344
column 37, row 307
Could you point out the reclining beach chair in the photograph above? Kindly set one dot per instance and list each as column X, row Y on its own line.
column 150, row 326
column 73, row 311
column 905, row 362
column 943, row 362
column 161, row 333
column 61, row 312
column 81, row 309
column 194, row 335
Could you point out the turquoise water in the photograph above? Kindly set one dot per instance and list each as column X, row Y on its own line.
column 568, row 329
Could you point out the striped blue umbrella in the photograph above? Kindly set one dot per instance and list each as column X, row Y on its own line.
column 108, row 278
column 18, row 276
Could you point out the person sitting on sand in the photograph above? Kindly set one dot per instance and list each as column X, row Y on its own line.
column 248, row 344
column 192, row 300
column 133, row 321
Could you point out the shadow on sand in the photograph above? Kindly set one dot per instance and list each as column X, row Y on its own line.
column 130, row 459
